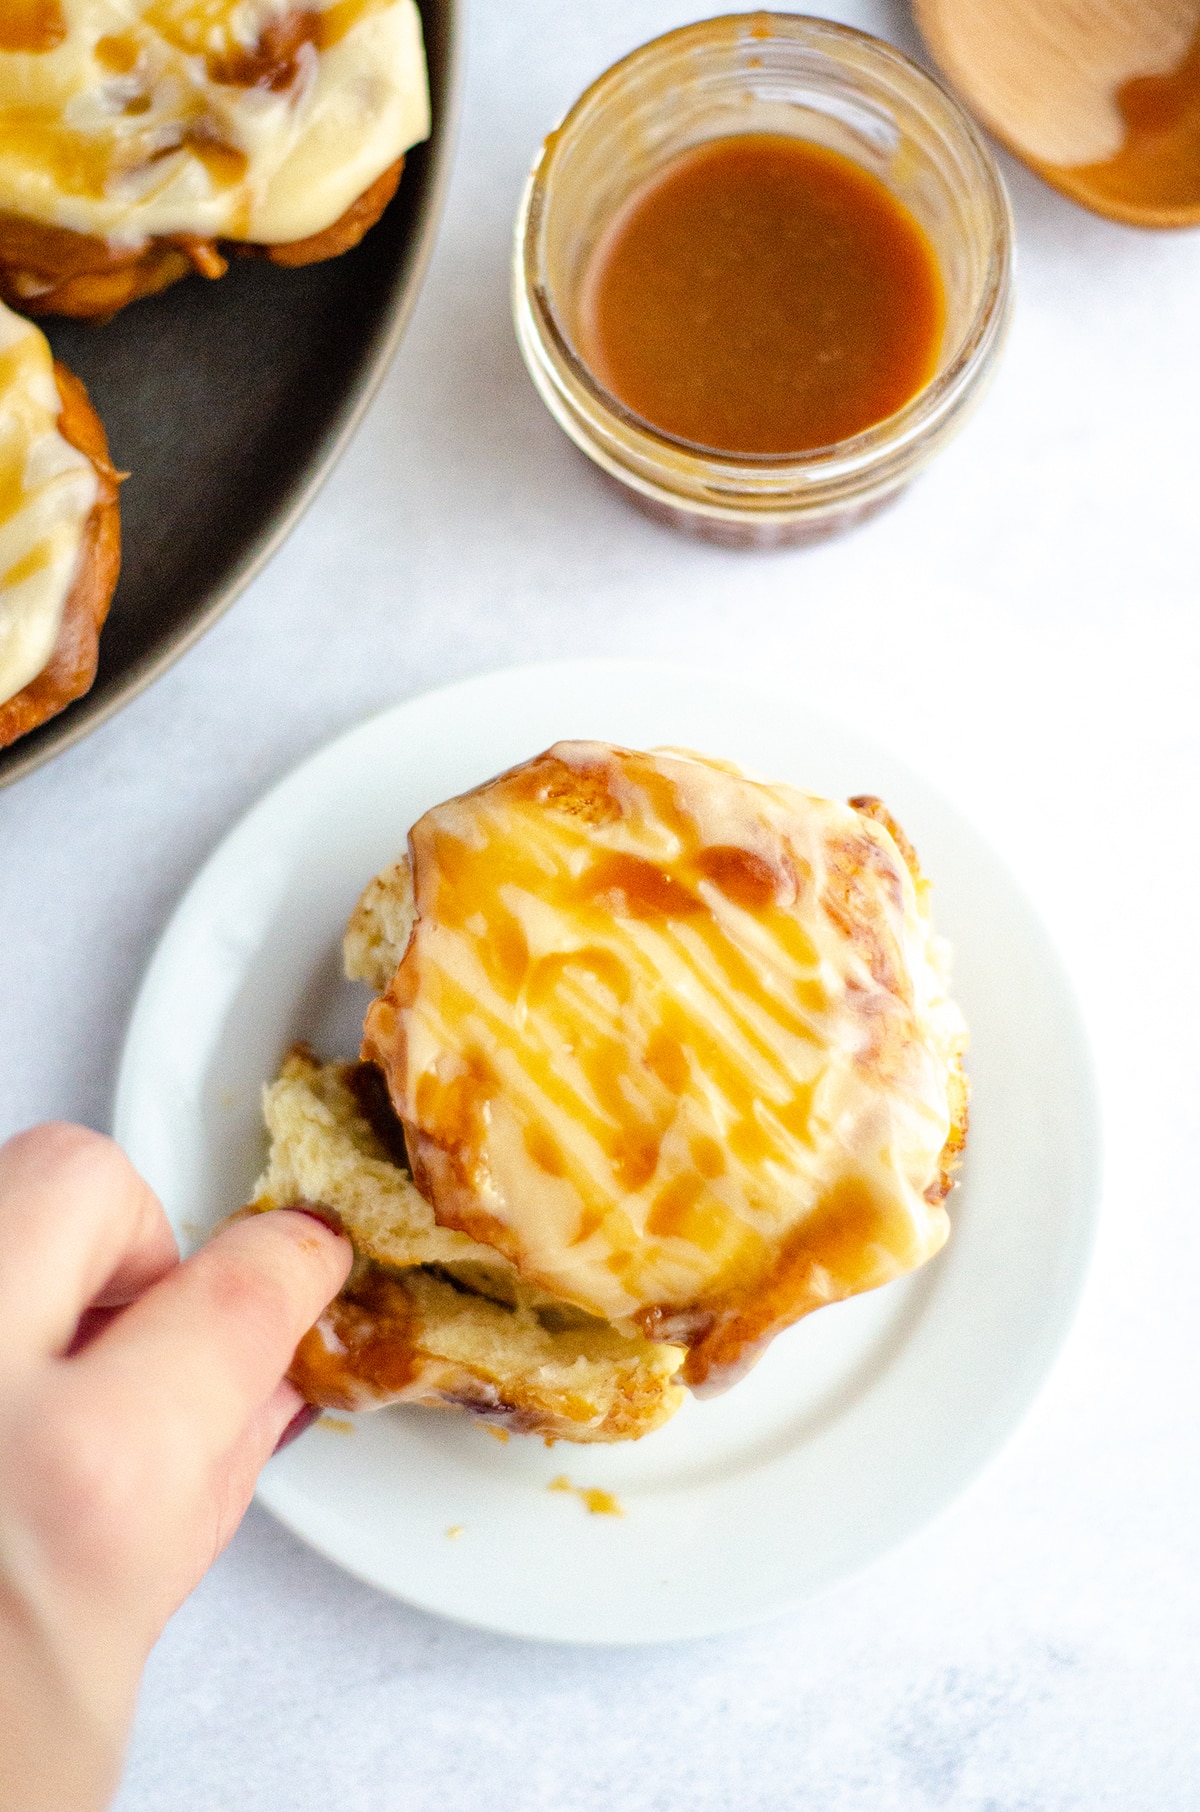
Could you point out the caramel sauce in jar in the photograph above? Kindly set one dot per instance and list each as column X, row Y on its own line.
column 762, row 294
column 761, row 275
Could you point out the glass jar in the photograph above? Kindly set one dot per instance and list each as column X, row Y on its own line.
column 764, row 73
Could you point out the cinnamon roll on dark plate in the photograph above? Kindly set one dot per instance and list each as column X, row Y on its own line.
column 60, row 535
column 143, row 139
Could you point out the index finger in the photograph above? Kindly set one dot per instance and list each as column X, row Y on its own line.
column 78, row 1227
column 209, row 1343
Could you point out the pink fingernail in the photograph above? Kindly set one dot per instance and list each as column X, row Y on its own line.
column 304, row 1418
column 317, row 1211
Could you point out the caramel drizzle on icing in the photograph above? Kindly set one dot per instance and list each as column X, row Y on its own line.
column 94, row 140
column 207, row 28
column 609, row 1059
column 849, row 1243
column 32, row 26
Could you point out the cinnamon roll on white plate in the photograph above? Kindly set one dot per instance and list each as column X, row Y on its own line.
column 665, row 1060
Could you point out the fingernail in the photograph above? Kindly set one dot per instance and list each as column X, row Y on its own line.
column 317, row 1211
column 304, row 1418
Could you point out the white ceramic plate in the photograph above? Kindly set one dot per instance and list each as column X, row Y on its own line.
column 858, row 1425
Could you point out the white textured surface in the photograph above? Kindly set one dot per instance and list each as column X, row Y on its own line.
column 1023, row 627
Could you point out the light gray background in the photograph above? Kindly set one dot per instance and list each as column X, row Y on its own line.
column 1023, row 628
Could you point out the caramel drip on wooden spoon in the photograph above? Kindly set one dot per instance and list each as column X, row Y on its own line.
column 1100, row 97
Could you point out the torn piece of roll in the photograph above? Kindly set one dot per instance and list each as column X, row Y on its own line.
column 60, row 534
column 137, row 137
column 429, row 1316
column 668, row 1047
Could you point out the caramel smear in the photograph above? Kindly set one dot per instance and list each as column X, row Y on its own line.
column 599, row 1503
column 1155, row 176
column 336, row 1425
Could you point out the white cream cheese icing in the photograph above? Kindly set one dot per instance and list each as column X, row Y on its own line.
column 47, row 491
column 673, row 1039
column 134, row 119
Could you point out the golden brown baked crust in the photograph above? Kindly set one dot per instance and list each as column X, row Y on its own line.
column 47, row 270
column 72, row 667
column 427, row 1316
column 421, row 1338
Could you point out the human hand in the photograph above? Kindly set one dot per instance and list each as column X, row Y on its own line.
column 139, row 1398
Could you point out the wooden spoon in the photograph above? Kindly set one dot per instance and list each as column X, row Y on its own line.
column 1100, row 97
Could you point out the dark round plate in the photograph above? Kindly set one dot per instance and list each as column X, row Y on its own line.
column 228, row 403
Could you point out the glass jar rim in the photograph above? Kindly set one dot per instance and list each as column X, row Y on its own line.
column 889, row 435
